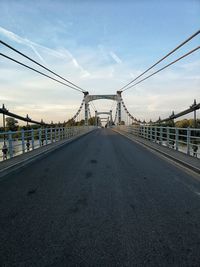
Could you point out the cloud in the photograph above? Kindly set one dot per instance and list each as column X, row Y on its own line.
column 11, row 35
column 65, row 53
column 173, row 89
column 37, row 54
column 14, row 37
column 61, row 54
column 192, row 66
column 106, row 54
column 115, row 57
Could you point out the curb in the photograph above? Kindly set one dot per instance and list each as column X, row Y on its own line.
column 29, row 160
column 183, row 163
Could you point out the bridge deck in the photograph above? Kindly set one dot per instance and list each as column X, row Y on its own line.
column 100, row 201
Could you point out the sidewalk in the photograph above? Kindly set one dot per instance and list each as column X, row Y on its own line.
column 22, row 160
column 179, row 157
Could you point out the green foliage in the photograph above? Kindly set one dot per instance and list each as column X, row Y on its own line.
column 80, row 123
column 11, row 124
column 185, row 123
column 70, row 123
column 168, row 124
column 92, row 121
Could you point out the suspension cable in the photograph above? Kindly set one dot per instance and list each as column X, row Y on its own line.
column 79, row 110
column 171, row 52
column 112, row 104
column 116, row 111
column 93, row 106
column 166, row 66
column 89, row 113
column 20, row 63
column 127, row 112
column 34, row 61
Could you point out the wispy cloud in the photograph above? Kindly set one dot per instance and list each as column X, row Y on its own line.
column 108, row 54
column 62, row 54
column 115, row 57
column 37, row 54
column 192, row 66
column 11, row 35
column 14, row 37
column 103, row 73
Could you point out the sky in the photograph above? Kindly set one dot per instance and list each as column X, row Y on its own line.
column 100, row 46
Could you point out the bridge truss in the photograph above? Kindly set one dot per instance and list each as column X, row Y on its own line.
column 115, row 97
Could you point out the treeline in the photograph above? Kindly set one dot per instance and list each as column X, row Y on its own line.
column 11, row 124
column 72, row 122
column 185, row 123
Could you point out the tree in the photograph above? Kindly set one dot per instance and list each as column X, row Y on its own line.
column 11, row 124
column 182, row 124
column 185, row 123
column 81, row 123
column 70, row 122
column 169, row 123
column 92, row 121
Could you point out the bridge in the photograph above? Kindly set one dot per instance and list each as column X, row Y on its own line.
column 100, row 191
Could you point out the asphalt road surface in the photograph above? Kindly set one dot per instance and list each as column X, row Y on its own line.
column 102, row 200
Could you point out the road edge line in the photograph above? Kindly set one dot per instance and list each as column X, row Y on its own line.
column 185, row 164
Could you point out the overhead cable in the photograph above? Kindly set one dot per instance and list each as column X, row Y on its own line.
column 171, row 52
column 34, row 61
column 20, row 63
column 171, row 63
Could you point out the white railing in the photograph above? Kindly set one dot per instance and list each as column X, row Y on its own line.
column 13, row 143
column 186, row 140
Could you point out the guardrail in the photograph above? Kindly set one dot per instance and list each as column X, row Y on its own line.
column 13, row 143
column 186, row 140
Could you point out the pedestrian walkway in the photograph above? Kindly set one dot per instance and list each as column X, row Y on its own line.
column 181, row 158
column 21, row 160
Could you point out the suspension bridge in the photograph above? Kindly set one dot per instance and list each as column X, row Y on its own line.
column 102, row 190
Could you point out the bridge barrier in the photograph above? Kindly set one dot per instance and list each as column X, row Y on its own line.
column 13, row 143
column 186, row 140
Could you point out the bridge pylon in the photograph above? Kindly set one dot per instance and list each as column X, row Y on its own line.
column 117, row 97
column 110, row 120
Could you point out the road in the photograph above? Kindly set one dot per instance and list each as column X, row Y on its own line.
column 102, row 200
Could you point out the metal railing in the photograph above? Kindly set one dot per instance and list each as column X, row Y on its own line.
column 13, row 143
column 186, row 140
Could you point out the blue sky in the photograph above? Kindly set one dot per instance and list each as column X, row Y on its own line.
column 99, row 45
